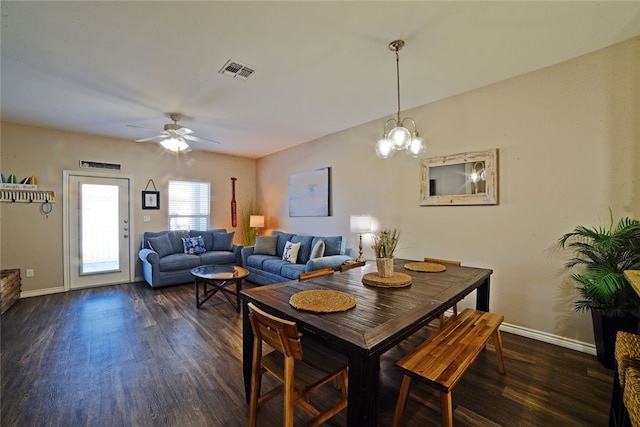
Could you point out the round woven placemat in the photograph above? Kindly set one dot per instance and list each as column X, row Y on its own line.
column 425, row 267
column 322, row 301
column 398, row 280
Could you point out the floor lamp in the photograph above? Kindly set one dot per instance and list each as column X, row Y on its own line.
column 360, row 224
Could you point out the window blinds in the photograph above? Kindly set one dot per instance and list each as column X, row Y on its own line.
column 189, row 203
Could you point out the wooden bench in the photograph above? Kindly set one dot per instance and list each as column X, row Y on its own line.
column 444, row 357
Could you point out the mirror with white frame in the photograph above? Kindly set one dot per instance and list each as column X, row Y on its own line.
column 460, row 179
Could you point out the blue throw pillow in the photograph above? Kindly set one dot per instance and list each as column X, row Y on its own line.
column 332, row 245
column 193, row 245
column 223, row 241
column 161, row 245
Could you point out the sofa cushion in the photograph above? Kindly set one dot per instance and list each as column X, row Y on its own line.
column 283, row 238
column 193, row 245
column 332, row 245
column 291, row 252
column 317, row 250
column 176, row 236
column 256, row 261
column 207, row 236
column 223, row 241
column 274, row 265
column 217, row 257
column 266, row 245
column 292, row 271
column 305, row 247
column 161, row 244
column 179, row 262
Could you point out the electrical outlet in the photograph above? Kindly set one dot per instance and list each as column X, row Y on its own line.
column 29, row 272
column 147, row 218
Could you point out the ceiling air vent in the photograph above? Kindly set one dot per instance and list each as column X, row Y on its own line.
column 237, row 70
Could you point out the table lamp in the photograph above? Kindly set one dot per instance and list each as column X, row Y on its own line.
column 360, row 224
column 256, row 221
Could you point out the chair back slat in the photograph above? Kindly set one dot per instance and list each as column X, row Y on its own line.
column 280, row 334
column 316, row 273
column 442, row 261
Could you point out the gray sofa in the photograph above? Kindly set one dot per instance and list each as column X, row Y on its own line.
column 164, row 261
column 266, row 264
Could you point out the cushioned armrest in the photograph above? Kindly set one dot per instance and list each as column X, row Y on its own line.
column 237, row 250
column 246, row 251
column 331, row 261
column 149, row 256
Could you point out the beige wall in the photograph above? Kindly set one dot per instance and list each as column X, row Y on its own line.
column 568, row 139
column 31, row 240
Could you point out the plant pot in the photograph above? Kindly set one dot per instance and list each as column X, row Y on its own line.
column 385, row 267
column 605, row 329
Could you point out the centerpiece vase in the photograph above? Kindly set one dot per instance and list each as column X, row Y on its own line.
column 385, row 267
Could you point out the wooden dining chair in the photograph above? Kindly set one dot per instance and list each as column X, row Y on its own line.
column 315, row 273
column 302, row 366
column 445, row 262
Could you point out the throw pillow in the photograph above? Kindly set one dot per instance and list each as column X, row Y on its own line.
column 161, row 245
column 265, row 245
column 193, row 245
column 223, row 241
column 318, row 250
column 290, row 252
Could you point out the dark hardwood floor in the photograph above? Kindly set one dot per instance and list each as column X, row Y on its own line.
column 129, row 355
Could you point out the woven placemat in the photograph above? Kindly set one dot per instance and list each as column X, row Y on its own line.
column 398, row 280
column 425, row 267
column 322, row 301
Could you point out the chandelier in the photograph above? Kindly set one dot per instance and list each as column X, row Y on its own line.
column 403, row 135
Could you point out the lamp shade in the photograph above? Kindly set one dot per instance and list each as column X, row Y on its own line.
column 360, row 223
column 256, row 221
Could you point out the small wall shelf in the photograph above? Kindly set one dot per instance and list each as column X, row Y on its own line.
column 27, row 196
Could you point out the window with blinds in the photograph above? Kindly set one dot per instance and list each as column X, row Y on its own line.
column 189, row 203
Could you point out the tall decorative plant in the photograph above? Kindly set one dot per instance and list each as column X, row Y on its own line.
column 604, row 254
column 249, row 233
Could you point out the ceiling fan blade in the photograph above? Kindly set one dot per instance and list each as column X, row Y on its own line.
column 184, row 131
column 142, row 127
column 199, row 139
column 153, row 138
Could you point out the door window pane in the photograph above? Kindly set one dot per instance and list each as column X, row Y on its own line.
column 99, row 251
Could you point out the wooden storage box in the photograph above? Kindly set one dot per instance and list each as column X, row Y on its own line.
column 9, row 288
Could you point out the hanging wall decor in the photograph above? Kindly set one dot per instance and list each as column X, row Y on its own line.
column 234, row 208
column 309, row 193
column 150, row 199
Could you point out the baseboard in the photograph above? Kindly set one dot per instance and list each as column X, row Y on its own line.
column 550, row 338
column 41, row 292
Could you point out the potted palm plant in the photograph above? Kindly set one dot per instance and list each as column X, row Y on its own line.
column 604, row 254
column 384, row 246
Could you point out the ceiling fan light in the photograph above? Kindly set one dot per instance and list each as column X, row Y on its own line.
column 400, row 137
column 384, row 148
column 175, row 144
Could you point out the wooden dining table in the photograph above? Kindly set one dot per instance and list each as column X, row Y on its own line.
column 381, row 319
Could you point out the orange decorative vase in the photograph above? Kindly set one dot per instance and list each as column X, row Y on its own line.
column 385, row 267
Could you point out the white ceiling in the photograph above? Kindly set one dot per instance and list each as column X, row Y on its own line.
column 322, row 67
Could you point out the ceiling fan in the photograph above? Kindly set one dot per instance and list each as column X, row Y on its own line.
column 174, row 137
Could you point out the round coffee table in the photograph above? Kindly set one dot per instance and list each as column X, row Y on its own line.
column 219, row 277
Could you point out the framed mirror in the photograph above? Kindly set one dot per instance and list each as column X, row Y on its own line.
column 460, row 179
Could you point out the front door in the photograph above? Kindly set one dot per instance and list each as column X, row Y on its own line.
column 99, row 248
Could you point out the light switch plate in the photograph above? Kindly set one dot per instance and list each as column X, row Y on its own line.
column 147, row 218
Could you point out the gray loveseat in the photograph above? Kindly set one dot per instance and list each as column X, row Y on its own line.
column 164, row 261
column 266, row 264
